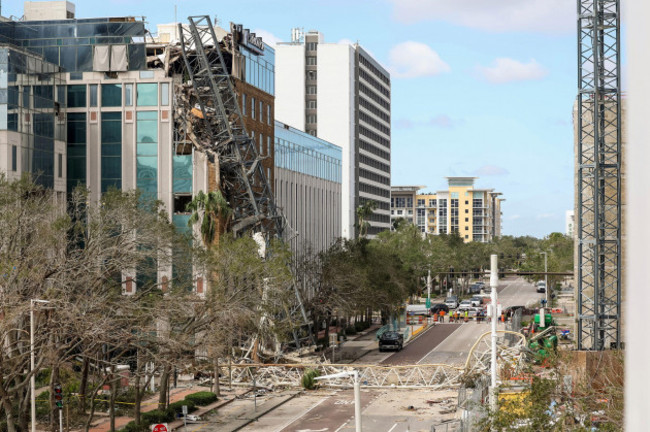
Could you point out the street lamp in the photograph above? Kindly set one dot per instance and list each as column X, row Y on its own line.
column 546, row 275
column 31, row 352
column 357, row 393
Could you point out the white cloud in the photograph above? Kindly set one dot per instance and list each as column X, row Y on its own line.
column 267, row 37
column 346, row 41
column 414, row 59
column 541, row 16
column 490, row 170
column 504, row 70
column 440, row 120
column 546, row 216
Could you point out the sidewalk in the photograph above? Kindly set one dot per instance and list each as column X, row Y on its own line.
column 103, row 424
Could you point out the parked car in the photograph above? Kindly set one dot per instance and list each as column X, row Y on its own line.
column 437, row 307
column 476, row 301
column 391, row 340
column 193, row 418
column 541, row 286
column 452, row 302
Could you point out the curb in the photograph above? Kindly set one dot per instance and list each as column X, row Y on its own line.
column 264, row 412
column 222, row 403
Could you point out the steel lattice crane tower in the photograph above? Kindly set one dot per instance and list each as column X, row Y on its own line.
column 224, row 136
column 598, row 212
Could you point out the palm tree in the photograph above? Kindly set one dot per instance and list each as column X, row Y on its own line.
column 212, row 211
column 364, row 211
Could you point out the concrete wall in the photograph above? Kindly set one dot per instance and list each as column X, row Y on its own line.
column 290, row 84
column 336, row 114
column 312, row 207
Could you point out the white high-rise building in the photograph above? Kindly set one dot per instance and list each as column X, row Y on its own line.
column 569, row 223
column 339, row 93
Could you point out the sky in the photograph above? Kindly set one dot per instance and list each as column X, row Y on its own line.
column 479, row 88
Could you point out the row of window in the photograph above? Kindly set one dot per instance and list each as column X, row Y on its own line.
column 374, row 163
column 146, row 94
column 374, row 136
column 311, row 90
column 373, row 109
column 311, row 46
column 311, row 61
column 374, row 123
column 374, row 176
column 363, row 187
column 364, row 61
column 366, row 91
column 257, row 109
column 365, row 145
column 401, row 202
column 380, row 204
column 373, row 82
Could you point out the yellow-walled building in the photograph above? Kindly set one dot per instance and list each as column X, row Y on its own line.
column 475, row 214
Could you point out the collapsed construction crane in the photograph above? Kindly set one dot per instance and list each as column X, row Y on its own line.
column 223, row 138
column 598, row 210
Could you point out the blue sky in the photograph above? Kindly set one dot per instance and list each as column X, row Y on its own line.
column 479, row 88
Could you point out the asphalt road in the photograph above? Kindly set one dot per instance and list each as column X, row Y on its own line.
column 454, row 349
column 422, row 345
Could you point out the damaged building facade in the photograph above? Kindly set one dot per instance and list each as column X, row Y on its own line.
column 98, row 102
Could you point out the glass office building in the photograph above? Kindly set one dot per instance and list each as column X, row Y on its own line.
column 32, row 103
column 79, row 44
column 308, row 188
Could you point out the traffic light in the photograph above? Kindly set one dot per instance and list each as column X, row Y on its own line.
column 58, row 396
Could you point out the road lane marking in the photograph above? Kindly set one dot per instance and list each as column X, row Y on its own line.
column 440, row 343
column 301, row 415
column 391, row 429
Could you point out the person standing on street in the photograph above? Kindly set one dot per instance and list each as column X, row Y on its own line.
column 442, row 315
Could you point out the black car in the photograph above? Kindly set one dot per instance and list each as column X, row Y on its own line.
column 391, row 340
column 437, row 307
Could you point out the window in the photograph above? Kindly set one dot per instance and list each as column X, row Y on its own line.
column 243, row 104
column 466, row 237
column 111, row 95
column 268, row 114
column 253, row 108
column 466, row 210
column 311, row 61
column 268, row 145
column 466, row 228
column 77, row 96
column 261, row 143
column 164, row 94
column 14, row 158
column 93, row 95
column 312, row 104
column 311, row 46
column 147, row 94
column 466, row 219
column 261, row 112
column 311, row 118
column 311, row 90
column 60, row 165
column 420, row 202
column 466, row 202
column 128, row 94
column 311, row 75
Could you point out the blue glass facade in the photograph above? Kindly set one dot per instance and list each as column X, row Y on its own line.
column 32, row 96
column 147, row 153
column 69, row 43
column 260, row 69
column 298, row 151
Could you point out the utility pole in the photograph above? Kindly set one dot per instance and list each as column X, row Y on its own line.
column 546, row 276
column 494, row 281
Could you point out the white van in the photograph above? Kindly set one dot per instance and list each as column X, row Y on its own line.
column 541, row 286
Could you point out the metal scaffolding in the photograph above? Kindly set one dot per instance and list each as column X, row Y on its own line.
column 599, row 175
column 224, row 137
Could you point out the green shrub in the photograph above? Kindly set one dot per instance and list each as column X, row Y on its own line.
column 202, row 398
column 157, row 416
column 308, row 381
column 132, row 427
column 350, row 331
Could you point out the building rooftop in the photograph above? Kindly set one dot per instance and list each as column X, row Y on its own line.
column 406, row 188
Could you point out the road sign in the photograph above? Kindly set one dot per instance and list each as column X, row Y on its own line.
column 428, row 303
column 184, row 408
column 161, row 427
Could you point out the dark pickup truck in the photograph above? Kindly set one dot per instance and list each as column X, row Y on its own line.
column 391, row 340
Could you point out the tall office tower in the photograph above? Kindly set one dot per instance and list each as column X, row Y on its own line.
column 339, row 93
